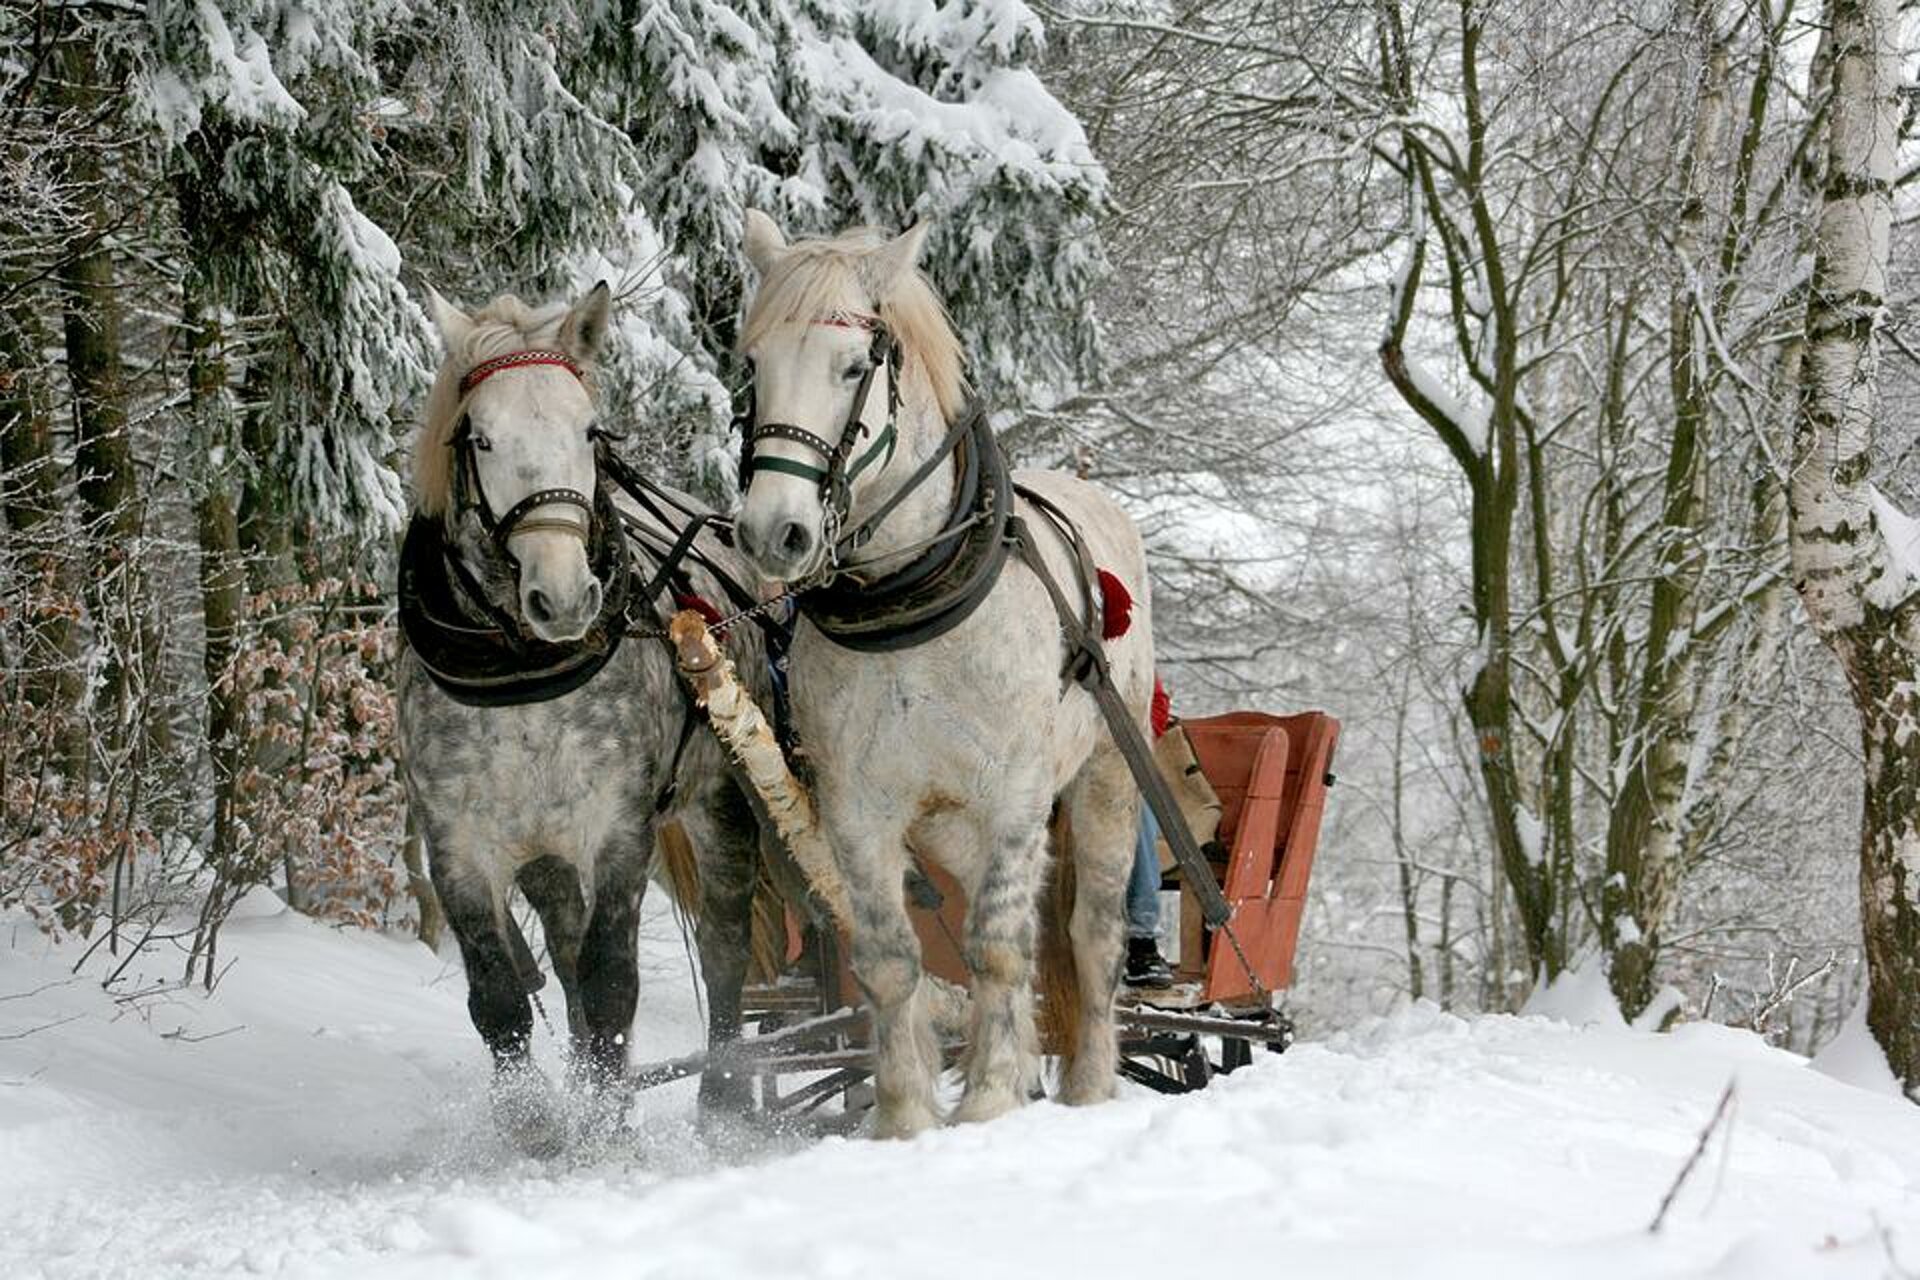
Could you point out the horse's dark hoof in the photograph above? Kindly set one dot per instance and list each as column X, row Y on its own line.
column 725, row 1094
column 527, row 1113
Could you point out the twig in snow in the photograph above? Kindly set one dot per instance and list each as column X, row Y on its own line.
column 45, row 986
column 180, row 1034
column 1783, row 987
column 1720, row 1112
column 45, row 1026
column 1884, row 1234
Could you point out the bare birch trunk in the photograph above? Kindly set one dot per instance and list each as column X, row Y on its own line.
column 744, row 731
column 1862, row 594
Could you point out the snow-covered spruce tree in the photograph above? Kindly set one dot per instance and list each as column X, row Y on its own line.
column 256, row 116
column 1856, row 557
column 556, row 145
column 832, row 114
column 298, row 346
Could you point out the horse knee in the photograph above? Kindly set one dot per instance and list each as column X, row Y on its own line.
column 887, row 980
column 998, row 962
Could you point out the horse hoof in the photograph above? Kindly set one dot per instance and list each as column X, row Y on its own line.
column 725, row 1093
column 1080, row 1093
column 902, row 1122
column 527, row 1114
column 986, row 1104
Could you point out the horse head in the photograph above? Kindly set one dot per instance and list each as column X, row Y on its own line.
column 508, row 456
column 842, row 333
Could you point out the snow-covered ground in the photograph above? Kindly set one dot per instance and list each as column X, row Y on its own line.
column 323, row 1115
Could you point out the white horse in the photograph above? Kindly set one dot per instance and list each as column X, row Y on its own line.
column 958, row 747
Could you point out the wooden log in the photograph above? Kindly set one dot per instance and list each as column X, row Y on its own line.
column 742, row 728
column 738, row 723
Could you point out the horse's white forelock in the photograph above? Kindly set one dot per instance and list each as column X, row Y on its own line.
column 503, row 325
column 815, row 278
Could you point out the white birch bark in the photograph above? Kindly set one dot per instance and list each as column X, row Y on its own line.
column 1859, row 591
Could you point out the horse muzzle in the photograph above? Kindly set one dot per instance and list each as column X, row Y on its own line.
column 781, row 549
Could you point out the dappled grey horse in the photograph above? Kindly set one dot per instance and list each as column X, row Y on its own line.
column 542, row 748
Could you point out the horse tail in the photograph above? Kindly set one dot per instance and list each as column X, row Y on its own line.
column 767, row 933
column 1059, row 972
column 679, row 868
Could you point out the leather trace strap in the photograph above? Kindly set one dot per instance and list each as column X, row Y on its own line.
column 1087, row 665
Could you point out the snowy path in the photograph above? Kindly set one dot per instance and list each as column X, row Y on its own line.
column 339, row 1131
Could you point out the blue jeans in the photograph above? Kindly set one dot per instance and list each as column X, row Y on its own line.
column 1143, row 887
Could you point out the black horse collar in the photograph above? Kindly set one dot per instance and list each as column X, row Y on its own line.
column 482, row 656
column 940, row 588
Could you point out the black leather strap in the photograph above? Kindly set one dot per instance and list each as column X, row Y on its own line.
column 1087, row 659
column 478, row 653
column 942, row 587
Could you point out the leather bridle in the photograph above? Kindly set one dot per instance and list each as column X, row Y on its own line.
column 470, row 495
column 835, row 479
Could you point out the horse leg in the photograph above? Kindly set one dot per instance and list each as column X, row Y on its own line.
column 1003, row 1063
column 1101, row 814
column 610, row 958
column 728, row 873
column 886, row 963
column 553, row 887
column 497, row 1002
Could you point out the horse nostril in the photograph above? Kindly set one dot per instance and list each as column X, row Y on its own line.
column 539, row 608
column 794, row 539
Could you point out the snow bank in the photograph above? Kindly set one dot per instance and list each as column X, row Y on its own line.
column 335, row 1130
column 1579, row 997
column 1856, row 1057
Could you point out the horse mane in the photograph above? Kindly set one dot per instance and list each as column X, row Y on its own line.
column 817, row 277
column 503, row 325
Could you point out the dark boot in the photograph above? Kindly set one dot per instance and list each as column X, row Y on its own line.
column 1145, row 968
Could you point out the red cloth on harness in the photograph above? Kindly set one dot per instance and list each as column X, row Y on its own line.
column 699, row 604
column 1162, row 713
column 1116, row 607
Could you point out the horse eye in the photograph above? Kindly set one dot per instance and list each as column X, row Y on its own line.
column 856, row 372
column 483, row 444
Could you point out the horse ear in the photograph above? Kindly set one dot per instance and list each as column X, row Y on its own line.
column 584, row 332
column 453, row 323
column 764, row 242
column 886, row 266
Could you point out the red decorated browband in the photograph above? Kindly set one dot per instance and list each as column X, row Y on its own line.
column 850, row 320
column 514, row 360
